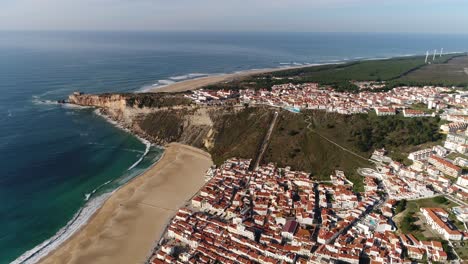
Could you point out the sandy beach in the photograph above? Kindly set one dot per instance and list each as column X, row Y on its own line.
column 203, row 81
column 129, row 223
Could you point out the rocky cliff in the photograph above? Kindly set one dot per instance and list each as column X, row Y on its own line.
column 164, row 118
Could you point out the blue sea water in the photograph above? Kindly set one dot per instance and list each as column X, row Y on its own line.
column 55, row 160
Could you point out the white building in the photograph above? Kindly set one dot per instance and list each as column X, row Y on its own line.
column 420, row 154
column 437, row 218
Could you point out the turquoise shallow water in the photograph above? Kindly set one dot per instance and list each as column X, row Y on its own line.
column 52, row 158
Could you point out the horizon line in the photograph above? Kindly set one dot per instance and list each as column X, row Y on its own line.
column 228, row 31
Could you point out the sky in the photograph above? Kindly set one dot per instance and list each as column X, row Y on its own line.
column 415, row 16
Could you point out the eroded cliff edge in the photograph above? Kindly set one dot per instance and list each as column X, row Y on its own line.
column 164, row 118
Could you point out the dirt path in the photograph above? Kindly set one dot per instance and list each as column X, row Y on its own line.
column 309, row 124
column 266, row 140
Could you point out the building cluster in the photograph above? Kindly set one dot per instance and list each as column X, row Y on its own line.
column 204, row 95
column 417, row 249
column 457, row 142
column 313, row 96
column 431, row 167
column 276, row 215
column 445, row 166
column 370, row 85
column 437, row 219
column 400, row 181
column 430, row 172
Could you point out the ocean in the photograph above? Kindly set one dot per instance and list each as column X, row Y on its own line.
column 59, row 163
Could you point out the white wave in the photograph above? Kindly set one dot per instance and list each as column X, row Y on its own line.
column 78, row 220
column 88, row 195
column 73, row 106
column 188, row 76
column 409, row 55
column 284, row 63
column 37, row 101
column 144, row 141
column 196, row 75
column 148, row 146
column 179, row 78
column 82, row 217
column 165, row 82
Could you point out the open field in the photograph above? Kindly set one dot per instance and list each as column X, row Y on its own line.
column 292, row 144
column 454, row 72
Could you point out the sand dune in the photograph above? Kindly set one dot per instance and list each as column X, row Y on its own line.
column 127, row 226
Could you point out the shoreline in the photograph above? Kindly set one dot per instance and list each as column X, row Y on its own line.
column 35, row 254
column 111, row 218
column 92, row 204
column 197, row 83
column 210, row 79
column 184, row 85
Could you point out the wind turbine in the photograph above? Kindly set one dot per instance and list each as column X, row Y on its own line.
column 441, row 51
column 433, row 58
column 427, row 55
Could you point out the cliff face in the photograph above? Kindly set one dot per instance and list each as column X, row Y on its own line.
column 163, row 118
column 159, row 118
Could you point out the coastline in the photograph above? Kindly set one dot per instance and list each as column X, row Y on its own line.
column 70, row 250
column 192, row 84
column 92, row 205
column 126, row 227
column 199, row 82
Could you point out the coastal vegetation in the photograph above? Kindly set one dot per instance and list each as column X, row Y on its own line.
column 446, row 70
column 163, row 125
column 156, row 100
column 239, row 133
column 452, row 73
column 305, row 148
column 315, row 141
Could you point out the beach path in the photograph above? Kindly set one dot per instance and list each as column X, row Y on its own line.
column 127, row 226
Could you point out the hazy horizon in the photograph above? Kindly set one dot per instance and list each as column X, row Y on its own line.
column 361, row 16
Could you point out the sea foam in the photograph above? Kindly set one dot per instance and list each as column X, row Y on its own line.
column 78, row 220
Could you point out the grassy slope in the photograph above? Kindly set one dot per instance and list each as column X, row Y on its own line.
column 240, row 134
column 292, row 144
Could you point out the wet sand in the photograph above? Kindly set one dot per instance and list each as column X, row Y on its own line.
column 133, row 219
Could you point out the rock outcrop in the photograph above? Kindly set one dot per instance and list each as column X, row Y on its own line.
column 224, row 131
